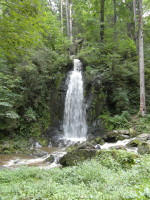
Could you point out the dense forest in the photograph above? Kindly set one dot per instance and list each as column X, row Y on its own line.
column 38, row 41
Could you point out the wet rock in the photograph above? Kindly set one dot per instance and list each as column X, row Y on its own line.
column 143, row 137
column 16, row 161
column 38, row 152
column 118, row 147
column 50, row 159
column 134, row 143
column 115, row 135
column 97, row 146
column 85, row 145
column 142, row 142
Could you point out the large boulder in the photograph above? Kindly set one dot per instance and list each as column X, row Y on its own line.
column 115, row 135
column 143, row 137
column 142, row 142
column 78, row 153
column 74, row 157
column 38, row 152
column 144, row 148
column 134, row 143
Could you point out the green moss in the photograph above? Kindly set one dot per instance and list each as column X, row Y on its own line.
column 134, row 143
column 43, row 142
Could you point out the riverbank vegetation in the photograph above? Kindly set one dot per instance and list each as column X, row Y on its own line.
column 112, row 175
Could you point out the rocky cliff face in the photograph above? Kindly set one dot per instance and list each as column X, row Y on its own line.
column 94, row 99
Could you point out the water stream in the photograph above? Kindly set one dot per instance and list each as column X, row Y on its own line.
column 16, row 160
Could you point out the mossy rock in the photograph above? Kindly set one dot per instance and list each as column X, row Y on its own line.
column 50, row 159
column 75, row 157
column 132, row 132
column 99, row 140
column 43, row 142
column 123, row 157
column 134, row 143
column 115, row 135
column 144, row 148
column 72, row 147
column 83, row 145
column 93, row 142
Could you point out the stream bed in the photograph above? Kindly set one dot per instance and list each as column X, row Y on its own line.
column 13, row 161
column 16, row 160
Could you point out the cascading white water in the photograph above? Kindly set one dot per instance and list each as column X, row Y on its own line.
column 74, row 124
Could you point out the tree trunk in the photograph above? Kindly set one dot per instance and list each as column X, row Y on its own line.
column 135, row 23
column 115, row 20
column 102, row 20
column 70, row 8
column 67, row 19
column 131, row 23
column 62, row 28
column 141, row 62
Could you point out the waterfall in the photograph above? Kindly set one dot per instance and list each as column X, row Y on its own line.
column 74, row 124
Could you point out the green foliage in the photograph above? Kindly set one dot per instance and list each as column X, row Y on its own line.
column 141, row 123
column 33, row 54
column 117, row 121
column 10, row 98
column 100, row 178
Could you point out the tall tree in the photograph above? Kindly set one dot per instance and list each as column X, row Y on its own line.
column 67, row 19
column 70, row 21
column 102, row 12
column 115, row 19
column 62, row 28
column 141, row 61
column 135, row 21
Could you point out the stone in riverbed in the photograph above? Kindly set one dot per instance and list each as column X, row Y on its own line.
column 78, row 153
column 38, row 152
column 143, row 137
column 142, row 142
column 50, row 159
column 134, row 143
column 144, row 148
column 74, row 157
column 115, row 135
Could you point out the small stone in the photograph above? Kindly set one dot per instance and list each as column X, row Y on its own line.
column 50, row 159
column 97, row 146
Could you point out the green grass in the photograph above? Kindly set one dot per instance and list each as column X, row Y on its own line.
column 103, row 177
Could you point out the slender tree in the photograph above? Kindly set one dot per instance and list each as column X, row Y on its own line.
column 70, row 21
column 115, row 19
column 102, row 12
column 141, row 61
column 67, row 19
column 62, row 28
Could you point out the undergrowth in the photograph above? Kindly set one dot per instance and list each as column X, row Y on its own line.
column 103, row 177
